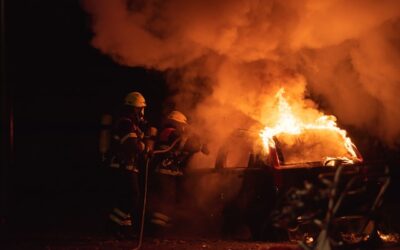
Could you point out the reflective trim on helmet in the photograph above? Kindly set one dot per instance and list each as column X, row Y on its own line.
column 135, row 99
column 126, row 137
column 177, row 116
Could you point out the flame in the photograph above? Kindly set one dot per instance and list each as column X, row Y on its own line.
column 289, row 123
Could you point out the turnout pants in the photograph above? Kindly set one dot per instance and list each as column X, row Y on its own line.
column 125, row 197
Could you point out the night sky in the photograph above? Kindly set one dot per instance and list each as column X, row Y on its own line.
column 59, row 88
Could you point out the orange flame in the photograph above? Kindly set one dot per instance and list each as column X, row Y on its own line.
column 288, row 123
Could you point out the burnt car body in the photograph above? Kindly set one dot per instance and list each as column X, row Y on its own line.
column 249, row 188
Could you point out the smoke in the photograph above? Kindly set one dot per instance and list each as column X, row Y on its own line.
column 226, row 59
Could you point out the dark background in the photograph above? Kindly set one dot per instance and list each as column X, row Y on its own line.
column 56, row 87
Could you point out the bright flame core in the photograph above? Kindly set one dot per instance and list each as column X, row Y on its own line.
column 289, row 124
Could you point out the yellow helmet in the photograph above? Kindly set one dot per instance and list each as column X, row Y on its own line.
column 178, row 117
column 135, row 99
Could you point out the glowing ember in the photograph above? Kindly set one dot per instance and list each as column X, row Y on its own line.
column 314, row 140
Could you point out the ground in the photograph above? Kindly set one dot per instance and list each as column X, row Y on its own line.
column 79, row 241
column 149, row 243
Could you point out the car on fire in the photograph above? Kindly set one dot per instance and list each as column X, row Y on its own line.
column 284, row 191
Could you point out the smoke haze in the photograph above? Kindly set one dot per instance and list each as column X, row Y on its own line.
column 225, row 60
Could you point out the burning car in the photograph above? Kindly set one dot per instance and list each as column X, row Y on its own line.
column 267, row 178
column 298, row 177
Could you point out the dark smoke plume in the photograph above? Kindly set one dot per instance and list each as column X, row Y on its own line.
column 226, row 59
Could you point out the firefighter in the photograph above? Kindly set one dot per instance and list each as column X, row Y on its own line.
column 178, row 145
column 131, row 139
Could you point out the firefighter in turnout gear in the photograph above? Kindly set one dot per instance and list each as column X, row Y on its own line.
column 131, row 139
column 179, row 145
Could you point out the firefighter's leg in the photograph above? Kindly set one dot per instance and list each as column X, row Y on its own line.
column 112, row 225
column 129, row 204
column 119, row 215
column 163, row 209
column 136, row 204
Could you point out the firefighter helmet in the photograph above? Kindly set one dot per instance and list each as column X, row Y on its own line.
column 177, row 116
column 135, row 99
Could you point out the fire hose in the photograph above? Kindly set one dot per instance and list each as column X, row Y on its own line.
column 146, row 175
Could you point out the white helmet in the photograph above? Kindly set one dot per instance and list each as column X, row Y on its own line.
column 178, row 117
column 135, row 99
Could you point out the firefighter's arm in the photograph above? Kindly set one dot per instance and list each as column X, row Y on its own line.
column 132, row 141
column 194, row 144
column 149, row 139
